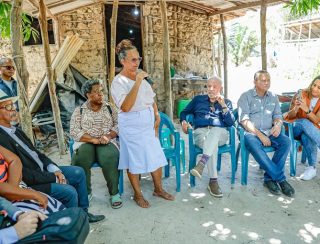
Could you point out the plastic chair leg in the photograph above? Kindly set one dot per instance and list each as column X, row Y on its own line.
column 182, row 155
column 178, row 176
column 167, row 170
column 192, row 162
column 293, row 160
column 219, row 162
column 121, row 182
column 233, row 167
column 244, row 173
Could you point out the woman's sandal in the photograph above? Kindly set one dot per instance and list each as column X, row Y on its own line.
column 141, row 202
column 163, row 194
column 116, row 201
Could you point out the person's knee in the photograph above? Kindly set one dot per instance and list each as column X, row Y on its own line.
column 71, row 195
column 78, row 172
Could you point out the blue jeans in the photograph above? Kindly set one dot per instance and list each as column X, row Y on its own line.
column 73, row 194
column 310, row 138
column 274, row 168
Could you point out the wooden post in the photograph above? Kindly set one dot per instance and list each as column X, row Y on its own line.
column 113, row 39
column 225, row 56
column 51, row 83
column 263, row 30
column 166, row 59
column 22, row 72
column 219, row 54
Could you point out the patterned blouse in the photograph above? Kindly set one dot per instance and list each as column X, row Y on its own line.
column 95, row 124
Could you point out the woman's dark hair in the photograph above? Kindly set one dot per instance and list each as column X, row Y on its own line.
column 87, row 86
column 122, row 48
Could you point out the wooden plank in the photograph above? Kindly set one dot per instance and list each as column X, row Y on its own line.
column 263, row 32
column 51, row 83
column 35, row 3
column 244, row 6
column 225, row 56
column 166, row 59
column 113, row 39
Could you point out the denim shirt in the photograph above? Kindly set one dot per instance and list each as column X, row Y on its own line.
column 8, row 91
column 261, row 111
column 207, row 114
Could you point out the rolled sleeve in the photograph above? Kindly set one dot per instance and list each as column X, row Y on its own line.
column 243, row 108
column 8, row 235
column 75, row 125
column 52, row 168
column 118, row 92
column 277, row 114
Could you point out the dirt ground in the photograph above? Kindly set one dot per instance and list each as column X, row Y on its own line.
column 246, row 214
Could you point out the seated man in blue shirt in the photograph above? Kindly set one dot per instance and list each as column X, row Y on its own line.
column 212, row 114
column 261, row 117
column 26, row 225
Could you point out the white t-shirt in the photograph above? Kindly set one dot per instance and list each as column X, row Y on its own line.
column 313, row 103
column 122, row 85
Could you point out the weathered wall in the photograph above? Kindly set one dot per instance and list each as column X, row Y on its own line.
column 88, row 23
column 35, row 60
column 191, row 43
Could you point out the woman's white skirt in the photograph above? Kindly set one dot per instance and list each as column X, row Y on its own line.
column 140, row 149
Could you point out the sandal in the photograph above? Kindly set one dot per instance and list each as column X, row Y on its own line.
column 141, row 202
column 116, row 201
column 163, row 194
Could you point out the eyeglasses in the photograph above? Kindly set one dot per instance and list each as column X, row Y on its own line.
column 135, row 60
column 9, row 107
column 9, row 67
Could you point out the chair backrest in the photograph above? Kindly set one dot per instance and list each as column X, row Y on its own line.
column 165, row 125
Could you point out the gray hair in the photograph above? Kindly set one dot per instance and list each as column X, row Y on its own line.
column 4, row 60
column 123, row 53
column 216, row 78
column 87, row 86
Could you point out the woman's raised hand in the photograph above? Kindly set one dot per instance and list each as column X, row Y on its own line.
column 141, row 75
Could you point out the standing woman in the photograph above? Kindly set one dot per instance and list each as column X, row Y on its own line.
column 140, row 150
column 305, row 111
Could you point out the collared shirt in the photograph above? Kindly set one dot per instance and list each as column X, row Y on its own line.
column 122, row 85
column 11, row 131
column 207, row 114
column 261, row 111
column 95, row 124
column 10, row 91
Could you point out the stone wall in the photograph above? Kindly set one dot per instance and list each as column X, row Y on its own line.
column 191, row 43
column 88, row 23
column 35, row 60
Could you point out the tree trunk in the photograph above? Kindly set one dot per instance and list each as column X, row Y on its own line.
column 22, row 72
column 51, row 83
column 113, row 39
column 219, row 54
column 263, row 29
column 166, row 58
column 225, row 56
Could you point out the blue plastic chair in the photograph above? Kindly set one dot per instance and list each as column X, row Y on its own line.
column 97, row 165
column 166, row 143
column 245, row 155
column 295, row 144
column 172, row 150
column 227, row 148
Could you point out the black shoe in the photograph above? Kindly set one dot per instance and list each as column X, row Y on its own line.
column 95, row 218
column 286, row 188
column 272, row 187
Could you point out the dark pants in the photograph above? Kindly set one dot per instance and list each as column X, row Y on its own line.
column 108, row 158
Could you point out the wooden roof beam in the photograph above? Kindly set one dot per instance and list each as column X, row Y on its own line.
column 244, row 6
column 35, row 3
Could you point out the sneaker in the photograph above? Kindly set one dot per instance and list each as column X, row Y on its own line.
column 197, row 170
column 309, row 173
column 272, row 187
column 90, row 197
column 286, row 188
column 95, row 218
column 214, row 189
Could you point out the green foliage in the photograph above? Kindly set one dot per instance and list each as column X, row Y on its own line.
column 241, row 42
column 26, row 23
column 303, row 7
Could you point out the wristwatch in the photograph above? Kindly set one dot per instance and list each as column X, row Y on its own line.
column 309, row 111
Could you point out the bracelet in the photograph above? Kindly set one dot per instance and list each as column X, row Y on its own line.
column 309, row 111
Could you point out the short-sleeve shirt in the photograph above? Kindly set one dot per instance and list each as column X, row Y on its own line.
column 122, row 85
column 261, row 111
